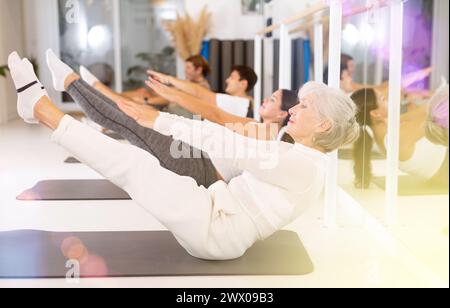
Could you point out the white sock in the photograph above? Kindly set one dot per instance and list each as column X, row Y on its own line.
column 87, row 76
column 29, row 89
column 60, row 71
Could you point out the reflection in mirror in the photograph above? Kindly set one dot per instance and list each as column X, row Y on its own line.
column 86, row 37
column 364, row 76
column 423, row 157
column 142, row 24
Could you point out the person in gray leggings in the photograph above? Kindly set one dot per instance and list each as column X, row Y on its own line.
column 105, row 112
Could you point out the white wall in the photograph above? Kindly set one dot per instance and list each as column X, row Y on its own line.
column 11, row 38
column 283, row 9
column 228, row 23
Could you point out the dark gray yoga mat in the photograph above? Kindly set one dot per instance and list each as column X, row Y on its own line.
column 76, row 190
column 414, row 186
column 72, row 160
column 38, row 254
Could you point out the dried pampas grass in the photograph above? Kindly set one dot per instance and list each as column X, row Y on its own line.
column 188, row 34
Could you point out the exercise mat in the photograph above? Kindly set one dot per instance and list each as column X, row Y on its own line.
column 73, row 190
column 39, row 254
column 72, row 160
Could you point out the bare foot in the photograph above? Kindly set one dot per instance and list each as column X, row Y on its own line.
column 47, row 113
column 70, row 79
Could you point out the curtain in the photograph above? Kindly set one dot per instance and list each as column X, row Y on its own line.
column 301, row 59
column 223, row 55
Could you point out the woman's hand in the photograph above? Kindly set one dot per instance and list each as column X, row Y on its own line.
column 162, row 90
column 142, row 114
column 162, row 78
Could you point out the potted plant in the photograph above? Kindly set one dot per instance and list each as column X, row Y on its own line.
column 161, row 62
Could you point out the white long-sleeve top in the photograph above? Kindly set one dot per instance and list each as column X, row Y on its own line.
column 278, row 181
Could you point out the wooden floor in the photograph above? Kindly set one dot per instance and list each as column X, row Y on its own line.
column 360, row 252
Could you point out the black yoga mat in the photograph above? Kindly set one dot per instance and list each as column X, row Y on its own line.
column 76, row 190
column 414, row 186
column 72, row 160
column 38, row 254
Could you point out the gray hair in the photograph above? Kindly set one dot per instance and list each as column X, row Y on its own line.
column 336, row 107
column 434, row 132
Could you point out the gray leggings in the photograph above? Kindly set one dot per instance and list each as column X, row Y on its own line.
column 105, row 112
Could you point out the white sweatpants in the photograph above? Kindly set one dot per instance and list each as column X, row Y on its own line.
column 209, row 223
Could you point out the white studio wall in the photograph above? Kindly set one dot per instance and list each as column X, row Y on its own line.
column 283, row 9
column 228, row 20
column 11, row 38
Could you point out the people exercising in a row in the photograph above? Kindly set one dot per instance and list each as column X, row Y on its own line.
column 273, row 111
column 201, row 167
column 237, row 100
column 423, row 134
column 278, row 180
column 348, row 71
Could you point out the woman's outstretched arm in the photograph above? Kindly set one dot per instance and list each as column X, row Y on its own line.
column 190, row 88
column 211, row 112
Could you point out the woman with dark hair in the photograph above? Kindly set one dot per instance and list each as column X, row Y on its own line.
column 274, row 111
column 366, row 101
column 419, row 131
column 197, row 70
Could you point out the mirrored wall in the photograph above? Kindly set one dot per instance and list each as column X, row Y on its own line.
column 118, row 40
column 87, row 36
column 420, row 209
column 365, row 76
column 144, row 40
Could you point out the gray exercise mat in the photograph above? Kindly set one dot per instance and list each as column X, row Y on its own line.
column 73, row 190
column 72, row 160
column 38, row 254
column 414, row 186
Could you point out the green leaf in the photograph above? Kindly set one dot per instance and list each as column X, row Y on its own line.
column 3, row 70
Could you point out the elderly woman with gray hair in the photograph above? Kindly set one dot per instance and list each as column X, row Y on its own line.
column 278, row 181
